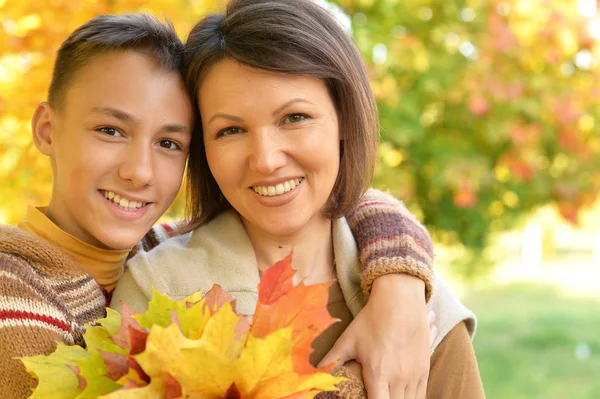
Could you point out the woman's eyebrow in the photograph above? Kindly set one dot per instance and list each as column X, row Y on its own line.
column 290, row 102
column 225, row 116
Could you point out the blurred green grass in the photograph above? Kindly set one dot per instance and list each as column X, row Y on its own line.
column 526, row 342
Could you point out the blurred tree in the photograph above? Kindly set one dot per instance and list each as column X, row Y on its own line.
column 488, row 108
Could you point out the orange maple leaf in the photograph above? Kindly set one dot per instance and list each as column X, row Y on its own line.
column 302, row 308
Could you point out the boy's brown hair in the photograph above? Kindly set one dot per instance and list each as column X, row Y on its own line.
column 295, row 37
column 139, row 32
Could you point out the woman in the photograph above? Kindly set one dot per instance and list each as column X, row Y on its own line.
column 289, row 129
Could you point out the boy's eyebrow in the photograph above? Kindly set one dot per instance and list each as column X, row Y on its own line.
column 125, row 117
column 176, row 129
column 116, row 113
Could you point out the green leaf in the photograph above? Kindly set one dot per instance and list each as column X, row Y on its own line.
column 98, row 337
column 158, row 312
column 55, row 379
column 93, row 370
column 112, row 321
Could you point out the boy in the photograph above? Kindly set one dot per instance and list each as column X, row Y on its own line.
column 117, row 127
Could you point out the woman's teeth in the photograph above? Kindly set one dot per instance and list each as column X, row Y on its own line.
column 282, row 188
column 123, row 202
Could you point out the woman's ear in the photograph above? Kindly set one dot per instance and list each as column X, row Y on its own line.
column 42, row 127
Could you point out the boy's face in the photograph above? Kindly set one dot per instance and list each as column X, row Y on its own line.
column 122, row 135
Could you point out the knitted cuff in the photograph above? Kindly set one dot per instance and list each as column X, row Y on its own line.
column 390, row 240
column 382, row 267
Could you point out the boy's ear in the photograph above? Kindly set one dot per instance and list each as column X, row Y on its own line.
column 42, row 126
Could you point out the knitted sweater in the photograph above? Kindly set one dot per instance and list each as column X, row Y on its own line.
column 220, row 252
column 46, row 297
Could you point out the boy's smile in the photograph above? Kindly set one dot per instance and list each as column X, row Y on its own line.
column 125, row 206
column 118, row 142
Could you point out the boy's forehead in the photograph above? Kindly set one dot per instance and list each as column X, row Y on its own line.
column 120, row 75
column 130, row 88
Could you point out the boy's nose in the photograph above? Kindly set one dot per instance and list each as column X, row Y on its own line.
column 136, row 166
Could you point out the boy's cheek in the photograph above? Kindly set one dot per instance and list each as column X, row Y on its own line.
column 168, row 178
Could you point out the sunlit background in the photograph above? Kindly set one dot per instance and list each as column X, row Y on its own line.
column 490, row 125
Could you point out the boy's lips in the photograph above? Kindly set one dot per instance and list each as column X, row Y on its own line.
column 129, row 213
column 124, row 201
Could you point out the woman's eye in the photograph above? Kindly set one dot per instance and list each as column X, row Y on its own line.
column 111, row 131
column 169, row 144
column 295, row 118
column 229, row 131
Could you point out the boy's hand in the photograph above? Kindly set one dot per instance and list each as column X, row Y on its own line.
column 391, row 339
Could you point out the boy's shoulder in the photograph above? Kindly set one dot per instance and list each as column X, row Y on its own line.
column 21, row 247
column 43, row 291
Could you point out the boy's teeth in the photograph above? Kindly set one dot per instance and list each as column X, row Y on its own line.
column 123, row 202
column 282, row 188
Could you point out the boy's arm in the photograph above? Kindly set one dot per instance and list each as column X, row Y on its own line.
column 29, row 325
column 390, row 240
column 390, row 336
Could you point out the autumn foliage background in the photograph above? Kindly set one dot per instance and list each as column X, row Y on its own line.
column 490, row 117
column 488, row 108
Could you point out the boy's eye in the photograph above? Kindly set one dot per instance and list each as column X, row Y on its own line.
column 169, row 144
column 228, row 131
column 111, row 131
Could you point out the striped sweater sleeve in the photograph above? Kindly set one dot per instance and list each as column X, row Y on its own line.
column 31, row 323
column 390, row 240
column 45, row 298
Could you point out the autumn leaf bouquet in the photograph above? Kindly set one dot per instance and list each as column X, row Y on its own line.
column 199, row 347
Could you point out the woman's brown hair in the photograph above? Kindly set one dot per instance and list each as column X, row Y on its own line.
column 296, row 37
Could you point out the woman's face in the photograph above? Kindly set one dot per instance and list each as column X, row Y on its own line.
column 272, row 144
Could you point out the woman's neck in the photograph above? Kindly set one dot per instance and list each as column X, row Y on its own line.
column 312, row 249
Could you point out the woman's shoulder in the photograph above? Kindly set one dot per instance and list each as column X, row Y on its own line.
column 223, row 233
column 218, row 252
column 449, row 311
column 170, row 236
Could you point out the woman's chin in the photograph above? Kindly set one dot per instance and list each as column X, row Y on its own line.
column 281, row 225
